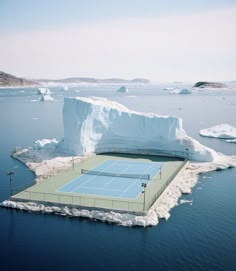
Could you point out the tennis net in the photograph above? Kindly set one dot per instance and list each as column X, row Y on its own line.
column 121, row 175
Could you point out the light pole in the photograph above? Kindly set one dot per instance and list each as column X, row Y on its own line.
column 73, row 163
column 10, row 173
column 144, row 185
column 187, row 153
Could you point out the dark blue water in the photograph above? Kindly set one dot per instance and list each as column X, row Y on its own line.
column 201, row 236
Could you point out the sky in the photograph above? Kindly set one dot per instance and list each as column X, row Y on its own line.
column 161, row 40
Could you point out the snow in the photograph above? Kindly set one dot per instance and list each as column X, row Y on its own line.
column 122, row 89
column 44, row 158
column 45, row 144
column 220, row 131
column 96, row 125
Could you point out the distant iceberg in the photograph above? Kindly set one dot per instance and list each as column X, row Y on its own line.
column 182, row 91
column 96, row 125
column 44, row 91
column 224, row 131
column 122, row 89
column 46, row 98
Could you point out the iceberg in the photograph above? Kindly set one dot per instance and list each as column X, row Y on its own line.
column 43, row 91
column 224, row 131
column 97, row 125
column 122, row 89
column 46, row 98
column 182, row 91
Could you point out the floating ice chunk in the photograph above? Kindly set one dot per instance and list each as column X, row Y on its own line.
column 122, row 89
column 220, row 131
column 181, row 91
column 182, row 201
column 231, row 140
column 43, row 91
column 46, row 98
column 185, row 91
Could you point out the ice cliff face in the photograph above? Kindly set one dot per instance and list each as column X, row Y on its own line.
column 96, row 125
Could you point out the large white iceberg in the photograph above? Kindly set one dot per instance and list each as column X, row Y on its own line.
column 96, row 125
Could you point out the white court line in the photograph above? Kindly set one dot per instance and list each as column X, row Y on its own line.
column 134, row 182
column 113, row 178
column 91, row 178
column 76, row 179
column 86, row 187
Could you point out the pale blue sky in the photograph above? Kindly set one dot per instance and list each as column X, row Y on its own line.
column 32, row 14
column 123, row 38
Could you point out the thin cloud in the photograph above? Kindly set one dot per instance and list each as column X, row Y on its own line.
column 166, row 48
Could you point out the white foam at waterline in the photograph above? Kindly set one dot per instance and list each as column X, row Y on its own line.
column 183, row 201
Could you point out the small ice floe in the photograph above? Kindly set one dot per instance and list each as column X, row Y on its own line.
column 181, row 91
column 44, row 91
column 231, row 140
column 182, row 201
column 46, row 98
column 35, row 118
column 122, row 89
column 66, row 88
column 224, row 131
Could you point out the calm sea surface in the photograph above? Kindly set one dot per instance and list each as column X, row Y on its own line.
column 199, row 235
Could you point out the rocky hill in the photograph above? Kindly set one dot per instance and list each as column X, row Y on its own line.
column 205, row 84
column 91, row 80
column 8, row 80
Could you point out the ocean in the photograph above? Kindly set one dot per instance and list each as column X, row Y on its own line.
column 201, row 231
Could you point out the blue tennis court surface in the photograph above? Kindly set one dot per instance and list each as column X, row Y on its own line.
column 110, row 186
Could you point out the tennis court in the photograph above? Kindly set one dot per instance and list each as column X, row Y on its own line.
column 114, row 178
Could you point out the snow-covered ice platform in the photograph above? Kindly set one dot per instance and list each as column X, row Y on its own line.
column 123, row 194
